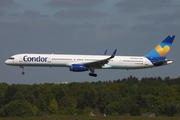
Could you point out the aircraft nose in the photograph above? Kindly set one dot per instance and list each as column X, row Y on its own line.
column 6, row 62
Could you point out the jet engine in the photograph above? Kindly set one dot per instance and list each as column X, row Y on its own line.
column 78, row 68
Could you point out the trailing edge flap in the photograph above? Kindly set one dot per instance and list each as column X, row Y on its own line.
column 99, row 63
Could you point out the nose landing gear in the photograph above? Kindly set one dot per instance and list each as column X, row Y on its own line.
column 22, row 70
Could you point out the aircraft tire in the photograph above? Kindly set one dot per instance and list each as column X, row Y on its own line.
column 93, row 74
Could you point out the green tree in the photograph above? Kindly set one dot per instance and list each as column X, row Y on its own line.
column 10, row 92
column 124, row 105
column 35, row 111
column 53, row 107
column 17, row 108
column 135, row 110
column 171, row 109
column 2, row 99
column 112, row 108
column 18, row 96
column 88, row 99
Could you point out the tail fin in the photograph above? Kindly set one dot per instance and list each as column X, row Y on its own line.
column 161, row 50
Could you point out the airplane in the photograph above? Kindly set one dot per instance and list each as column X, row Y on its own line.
column 81, row 63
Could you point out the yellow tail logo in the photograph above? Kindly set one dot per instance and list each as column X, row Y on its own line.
column 162, row 51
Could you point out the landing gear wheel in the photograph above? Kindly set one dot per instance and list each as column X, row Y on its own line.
column 93, row 74
column 22, row 70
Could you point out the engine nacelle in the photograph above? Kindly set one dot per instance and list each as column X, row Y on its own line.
column 78, row 68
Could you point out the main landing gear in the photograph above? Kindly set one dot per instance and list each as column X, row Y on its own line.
column 22, row 70
column 92, row 73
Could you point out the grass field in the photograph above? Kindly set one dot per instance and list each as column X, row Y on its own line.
column 60, row 117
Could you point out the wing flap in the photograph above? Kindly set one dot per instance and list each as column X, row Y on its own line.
column 100, row 63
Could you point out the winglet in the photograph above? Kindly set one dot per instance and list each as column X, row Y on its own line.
column 105, row 52
column 114, row 53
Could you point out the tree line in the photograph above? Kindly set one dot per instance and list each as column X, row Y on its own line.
column 128, row 96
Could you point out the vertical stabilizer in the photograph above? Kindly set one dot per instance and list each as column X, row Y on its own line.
column 161, row 50
column 158, row 55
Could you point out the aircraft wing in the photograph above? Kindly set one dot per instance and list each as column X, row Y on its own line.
column 99, row 63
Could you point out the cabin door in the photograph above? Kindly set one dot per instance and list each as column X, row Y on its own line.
column 21, row 59
column 49, row 59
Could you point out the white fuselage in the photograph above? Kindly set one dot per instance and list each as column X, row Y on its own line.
column 62, row 60
column 80, row 63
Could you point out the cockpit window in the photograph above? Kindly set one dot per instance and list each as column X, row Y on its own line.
column 11, row 58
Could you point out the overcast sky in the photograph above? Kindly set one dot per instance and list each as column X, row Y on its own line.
column 134, row 27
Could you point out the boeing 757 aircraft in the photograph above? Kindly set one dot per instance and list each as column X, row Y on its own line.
column 80, row 63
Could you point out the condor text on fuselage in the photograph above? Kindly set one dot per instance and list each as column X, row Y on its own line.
column 34, row 59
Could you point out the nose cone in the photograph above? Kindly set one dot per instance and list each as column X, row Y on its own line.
column 7, row 62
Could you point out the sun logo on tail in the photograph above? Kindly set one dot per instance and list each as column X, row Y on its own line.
column 162, row 51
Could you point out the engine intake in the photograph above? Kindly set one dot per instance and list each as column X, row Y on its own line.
column 78, row 68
